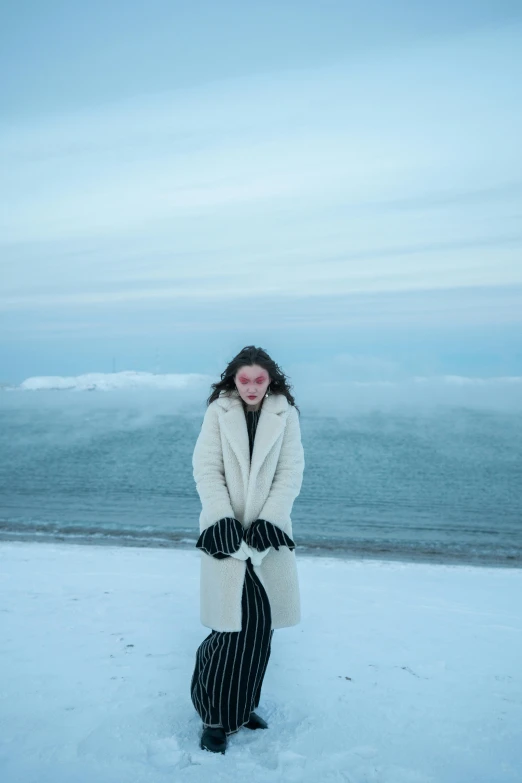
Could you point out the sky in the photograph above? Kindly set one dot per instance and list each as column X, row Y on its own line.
column 337, row 182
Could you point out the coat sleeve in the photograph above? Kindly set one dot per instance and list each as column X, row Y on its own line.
column 209, row 471
column 288, row 477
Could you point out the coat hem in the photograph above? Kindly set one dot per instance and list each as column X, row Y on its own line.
column 237, row 630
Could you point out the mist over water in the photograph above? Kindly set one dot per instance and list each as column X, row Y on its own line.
column 418, row 474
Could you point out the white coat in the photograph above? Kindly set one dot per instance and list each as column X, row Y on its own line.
column 230, row 485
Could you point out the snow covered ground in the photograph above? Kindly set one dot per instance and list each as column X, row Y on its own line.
column 398, row 672
column 124, row 380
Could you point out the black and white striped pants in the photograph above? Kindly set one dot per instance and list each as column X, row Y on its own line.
column 231, row 665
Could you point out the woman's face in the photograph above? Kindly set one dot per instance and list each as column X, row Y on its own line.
column 252, row 381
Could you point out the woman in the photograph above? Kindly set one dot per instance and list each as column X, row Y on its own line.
column 248, row 467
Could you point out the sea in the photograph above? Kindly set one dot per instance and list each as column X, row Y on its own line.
column 441, row 484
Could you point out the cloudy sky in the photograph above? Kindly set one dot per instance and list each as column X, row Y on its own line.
column 339, row 182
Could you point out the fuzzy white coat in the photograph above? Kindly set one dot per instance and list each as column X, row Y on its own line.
column 230, row 485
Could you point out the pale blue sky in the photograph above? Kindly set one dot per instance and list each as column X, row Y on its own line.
column 335, row 179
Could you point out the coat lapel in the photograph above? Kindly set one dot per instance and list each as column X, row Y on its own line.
column 270, row 425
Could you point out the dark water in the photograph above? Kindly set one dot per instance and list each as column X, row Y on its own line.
column 443, row 484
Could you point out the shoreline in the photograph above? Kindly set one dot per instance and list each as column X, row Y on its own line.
column 303, row 550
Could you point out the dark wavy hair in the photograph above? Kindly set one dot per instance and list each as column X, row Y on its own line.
column 250, row 355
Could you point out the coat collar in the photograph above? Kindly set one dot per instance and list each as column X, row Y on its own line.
column 271, row 424
column 274, row 403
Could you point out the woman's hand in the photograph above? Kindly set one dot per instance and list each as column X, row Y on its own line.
column 243, row 553
column 228, row 538
column 261, row 535
column 222, row 539
column 257, row 557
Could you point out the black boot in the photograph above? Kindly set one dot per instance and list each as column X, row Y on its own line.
column 256, row 722
column 214, row 739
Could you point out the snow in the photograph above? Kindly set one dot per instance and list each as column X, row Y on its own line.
column 398, row 672
column 98, row 381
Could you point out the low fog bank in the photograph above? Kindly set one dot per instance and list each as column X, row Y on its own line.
column 187, row 393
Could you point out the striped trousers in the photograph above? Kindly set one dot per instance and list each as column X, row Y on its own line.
column 231, row 665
